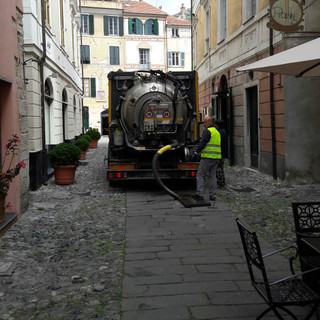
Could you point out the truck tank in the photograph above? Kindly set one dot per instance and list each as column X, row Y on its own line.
column 148, row 111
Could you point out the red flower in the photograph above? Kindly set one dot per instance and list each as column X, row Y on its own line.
column 22, row 164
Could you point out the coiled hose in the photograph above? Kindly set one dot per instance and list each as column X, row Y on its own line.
column 155, row 171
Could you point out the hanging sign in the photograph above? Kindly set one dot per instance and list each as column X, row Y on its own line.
column 286, row 15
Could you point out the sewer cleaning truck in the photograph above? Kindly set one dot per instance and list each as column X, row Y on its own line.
column 149, row 110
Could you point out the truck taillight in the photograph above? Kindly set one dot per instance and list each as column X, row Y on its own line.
column 116, row 175
column 121, row 166
column 192, row 174
column 188, row 165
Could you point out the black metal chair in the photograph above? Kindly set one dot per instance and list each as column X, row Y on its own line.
column 306, row 218
column 279, row 294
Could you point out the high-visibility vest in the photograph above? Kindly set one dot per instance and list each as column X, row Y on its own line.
column 212, row 150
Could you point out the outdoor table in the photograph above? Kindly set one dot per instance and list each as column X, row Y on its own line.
column 310, row 258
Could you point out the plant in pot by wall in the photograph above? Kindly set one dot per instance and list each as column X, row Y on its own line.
column 95, row 136
column 64, row 159
column 87, row 137
column 7, row 175
column 83, row 144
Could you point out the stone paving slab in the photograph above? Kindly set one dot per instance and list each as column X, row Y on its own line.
column 187, row 263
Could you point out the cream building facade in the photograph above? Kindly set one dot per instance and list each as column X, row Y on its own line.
column 131, row 36
column 102, row 52
column 262, row 112
column 53, row 75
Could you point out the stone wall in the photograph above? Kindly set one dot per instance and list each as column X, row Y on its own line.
column 23, row 121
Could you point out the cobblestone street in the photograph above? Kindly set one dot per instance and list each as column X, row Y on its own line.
column 64, row 259
column 64, row 256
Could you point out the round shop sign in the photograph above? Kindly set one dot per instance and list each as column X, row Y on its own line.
column 286, row 15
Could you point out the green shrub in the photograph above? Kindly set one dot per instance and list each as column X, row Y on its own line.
column 87, row 137
column 82, row 143
column 94, row 134
column 65, row 154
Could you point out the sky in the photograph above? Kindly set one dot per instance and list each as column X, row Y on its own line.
column 169, row 6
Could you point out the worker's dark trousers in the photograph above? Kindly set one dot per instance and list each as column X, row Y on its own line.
column 207, row 166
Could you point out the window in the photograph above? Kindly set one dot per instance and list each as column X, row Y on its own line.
column 87, row 24
column 47, row 12
column 113, row 26
column 144, row 57
column 176, row 59
column 249, row 9
column 207, row 31
column 222, row 20
column 85, row 54
column 89, row 87
column 135, row 26
column 114, row 56
column 175, row 32
column 151, row 27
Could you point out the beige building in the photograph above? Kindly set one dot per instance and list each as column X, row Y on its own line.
column 178, row 34
column 265, row 115
column 131, row 36
column 102, row 51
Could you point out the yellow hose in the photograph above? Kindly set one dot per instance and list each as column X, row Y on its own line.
column 165, row 148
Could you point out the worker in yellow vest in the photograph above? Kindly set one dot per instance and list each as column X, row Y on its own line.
column 209, row 148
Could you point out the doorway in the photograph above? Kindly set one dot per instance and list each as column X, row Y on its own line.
column 253, row 122
column 64, row 113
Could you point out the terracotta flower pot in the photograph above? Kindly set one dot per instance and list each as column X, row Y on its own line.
column 94, row 144
column 83, row 155
column 64, row 174
column 2, row 206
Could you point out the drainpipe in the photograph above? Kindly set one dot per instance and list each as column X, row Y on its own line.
column 41, row 63
column 80, row 7
column 272, row 115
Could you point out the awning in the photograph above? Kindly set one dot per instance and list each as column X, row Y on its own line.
column 300, row 61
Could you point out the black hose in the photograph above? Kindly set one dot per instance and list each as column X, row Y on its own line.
column 155, row 171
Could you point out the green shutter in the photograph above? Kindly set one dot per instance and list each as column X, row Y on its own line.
column 139, row 26
column 105, row 25
column 93, row 87
column 117, row 56
column 156, row 27
column 91, row 24
column 86, row 53
column 130, row 25
column 120, row 26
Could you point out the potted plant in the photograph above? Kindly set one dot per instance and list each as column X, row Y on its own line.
column 87, row 137
column 11, row 150
column 95, row 136
column 83, row 144
column 64, row 159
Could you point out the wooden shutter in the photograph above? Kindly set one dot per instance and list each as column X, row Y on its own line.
column 87, row 53
column 106, row 25
column 93, row 87
column 130, row 25
column 120, row 26
column 156, row 27
column 139, row 26
column 91, row 24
